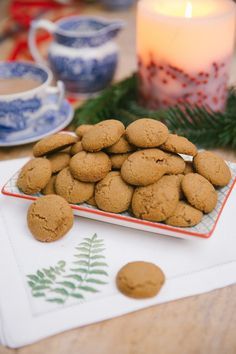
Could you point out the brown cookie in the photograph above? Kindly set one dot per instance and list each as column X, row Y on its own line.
column 50, row 187
column 117, row 160
column 144, row 167
column 213, row 168
column 92, row 201
column 77, row 147
column 49, row 218
column 90, row 167
column 34, row 176
column 179, row 145
column 174, row 181
column 147, row 133
column 184, row 216
column 121, row 147
column 140, row 280
column 188, row 168
column 82, row 129
column 103, row 135
column 156, row 202
column 112, row 194
column 59, row 160
column 175, row 164
column 74, row 191
column 53, row 143
column 199, row 192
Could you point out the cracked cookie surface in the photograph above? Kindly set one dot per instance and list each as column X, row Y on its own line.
column 50, row 186
column 144, row 167
column 117, row 160
column 112, row 194
column 155, row 202
column 34, row 176
column 59, row 160
column 147, row 133
column 50, row 218
column 90, row 167
column 199, row 192
column 175, row 164
column 77, row 147
column 179, row 145
column 213, row 168
column 140, row 280
column 82, row 129
column 184, row 215
column 53, row 143
column 103, row 135
column 74, row 191
column 121, row 147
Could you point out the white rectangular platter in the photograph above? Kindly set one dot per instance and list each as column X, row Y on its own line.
column 203, row 230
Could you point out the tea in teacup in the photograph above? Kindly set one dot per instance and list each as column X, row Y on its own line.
column 13, row 85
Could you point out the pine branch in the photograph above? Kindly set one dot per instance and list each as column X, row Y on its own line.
column 204, row 128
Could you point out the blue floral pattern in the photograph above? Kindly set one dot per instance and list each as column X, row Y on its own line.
column 15, row 114
column 20, row 69
column 48, row 123
column 84, row 76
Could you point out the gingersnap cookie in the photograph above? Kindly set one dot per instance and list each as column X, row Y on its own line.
column 140, row 280
column 112, row 194
column 213, row 168
column 74, row 191
column 53, row 143
column 103, row 135
column 82, row 129
column 179, row 145
column 34, row 176
column 199, row 192
column 175, row 164
column 59, row 160
column 90, row 167
column 50, row 186
column 144, row 167
column 184, row 216
column 50, row 218
column 92, row 201
column 174, row 181
column 156, row 202
column 117, row 160
column 77, row 147
column 121, row 147
column 147, row 133
column 189, row 168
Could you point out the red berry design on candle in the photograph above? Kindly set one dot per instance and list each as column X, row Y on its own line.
column 163, row 85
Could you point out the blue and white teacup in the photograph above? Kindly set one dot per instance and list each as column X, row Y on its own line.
column 19, row 110
column 83, row 53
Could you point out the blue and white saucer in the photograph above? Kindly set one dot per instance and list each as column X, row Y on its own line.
column 50, row 122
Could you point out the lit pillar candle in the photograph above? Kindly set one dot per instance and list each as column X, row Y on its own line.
column 184, row 52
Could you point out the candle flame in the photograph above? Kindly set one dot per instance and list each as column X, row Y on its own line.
column 189, row 10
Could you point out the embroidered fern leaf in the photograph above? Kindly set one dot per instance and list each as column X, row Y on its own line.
column 61, row 281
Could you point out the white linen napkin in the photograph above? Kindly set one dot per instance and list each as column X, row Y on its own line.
column 40, row 294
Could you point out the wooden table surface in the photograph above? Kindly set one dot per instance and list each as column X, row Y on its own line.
column 204, row 324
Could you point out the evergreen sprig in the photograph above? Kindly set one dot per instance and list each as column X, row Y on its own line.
column 205, row 128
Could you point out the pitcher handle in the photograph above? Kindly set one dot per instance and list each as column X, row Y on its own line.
column 35, row 25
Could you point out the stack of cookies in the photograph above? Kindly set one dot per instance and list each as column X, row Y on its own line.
column 140, row 169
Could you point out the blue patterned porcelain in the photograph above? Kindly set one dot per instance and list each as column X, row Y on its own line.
column 83, row 54
column 19, row 111
column 117, row 4
column 49, row 122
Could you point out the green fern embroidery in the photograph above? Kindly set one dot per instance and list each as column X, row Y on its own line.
column 57, row 284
